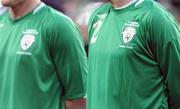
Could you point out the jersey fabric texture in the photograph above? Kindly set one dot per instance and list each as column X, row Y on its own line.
column 134, row 58
column 42, row 61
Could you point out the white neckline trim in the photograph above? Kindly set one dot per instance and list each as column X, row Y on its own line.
column 119, row 8
column 41, row 5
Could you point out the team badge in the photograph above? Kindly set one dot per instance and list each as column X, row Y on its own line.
column 27, row 41
column 128, row 33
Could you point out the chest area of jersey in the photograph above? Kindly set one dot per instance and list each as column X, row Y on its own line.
column 20, row 40
column 115, row 35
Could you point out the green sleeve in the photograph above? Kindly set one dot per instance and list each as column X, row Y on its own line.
column 69, row 57
column 165, row 45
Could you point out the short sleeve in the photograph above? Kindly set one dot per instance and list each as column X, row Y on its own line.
column 69, row 58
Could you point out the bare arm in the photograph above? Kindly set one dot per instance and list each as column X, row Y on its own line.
column 76, row 104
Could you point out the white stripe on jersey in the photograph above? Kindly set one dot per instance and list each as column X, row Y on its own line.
column 41, row 5
column 139, row 2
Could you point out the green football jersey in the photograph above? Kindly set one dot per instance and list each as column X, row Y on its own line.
column 134, row 57
column 42, row 60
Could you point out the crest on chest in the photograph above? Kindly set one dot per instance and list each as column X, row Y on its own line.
column 27, row 41
column 128, row 34
column 129, row 31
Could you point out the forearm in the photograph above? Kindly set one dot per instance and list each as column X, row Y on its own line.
column 76, row 104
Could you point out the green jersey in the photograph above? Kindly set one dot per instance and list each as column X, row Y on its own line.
column 42, row 60
column 134, row 57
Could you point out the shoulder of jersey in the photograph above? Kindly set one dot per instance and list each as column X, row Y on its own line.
column 154, row 8
column 104, row 8
column 51, row 14
column 153, row 11
column 149, row 7
column 144, row 4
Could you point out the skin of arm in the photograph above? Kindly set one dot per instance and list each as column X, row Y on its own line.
column 76, row 104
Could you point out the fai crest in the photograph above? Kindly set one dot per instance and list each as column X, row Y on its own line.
column 27, row 41
column 128, row 34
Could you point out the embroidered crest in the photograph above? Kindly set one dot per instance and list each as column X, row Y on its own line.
column 128, row 33
column 27, row 41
